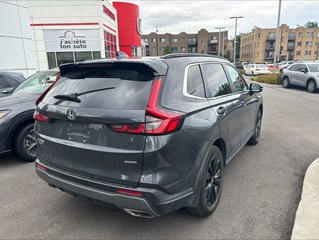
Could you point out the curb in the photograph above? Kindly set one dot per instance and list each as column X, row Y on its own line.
column 306, row 224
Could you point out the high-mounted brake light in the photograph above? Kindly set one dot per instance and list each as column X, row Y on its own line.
column 158, row 120
column 40, row 98
column 40, row 117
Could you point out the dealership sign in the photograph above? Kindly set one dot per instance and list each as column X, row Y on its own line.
column 72, row 40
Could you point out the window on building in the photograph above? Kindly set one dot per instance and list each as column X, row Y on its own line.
column 309, row 34
column 145, row 40
column 291, row 45
column 64, row 57
column 258, row 35
column 153, row 40
column 195, row 85
column 298, row 53
column 271, row 35
column 162, row 40
column 174, row 49
column 52, row 60
column 161, row 49
column 82, row 56
column 96, row 55
column 299, row 44
column 300, row 34
column 308, row 44
column 174, row 40
column 308, row 53
column 183, row 49
column 192, row 49
column 134, row 51
column 291, row 36
column 216, row 79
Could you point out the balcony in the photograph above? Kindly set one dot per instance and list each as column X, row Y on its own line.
column 271, row 38
column 270, row 48
column 291, row 38
column 291, row 47
column 213, row 42
column 192, row 42
column 269, row 57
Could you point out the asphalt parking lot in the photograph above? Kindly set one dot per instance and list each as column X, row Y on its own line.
column 262, row 188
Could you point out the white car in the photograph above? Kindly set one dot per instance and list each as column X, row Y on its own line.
column 256, row 69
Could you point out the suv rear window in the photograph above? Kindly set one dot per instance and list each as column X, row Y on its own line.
column 118, row 87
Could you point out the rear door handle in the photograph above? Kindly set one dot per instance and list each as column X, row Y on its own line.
column 221, row 110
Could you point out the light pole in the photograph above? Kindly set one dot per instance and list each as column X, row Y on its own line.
column 223, row 44
column 236, row 17
column 277, row 34
column 219, row 28
column 156, row 41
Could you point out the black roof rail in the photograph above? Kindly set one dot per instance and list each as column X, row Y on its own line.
column 178, row 55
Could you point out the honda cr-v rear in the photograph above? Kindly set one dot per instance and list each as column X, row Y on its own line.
column 150, row 135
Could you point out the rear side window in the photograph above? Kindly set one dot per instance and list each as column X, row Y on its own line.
column 195, row 86
column 216, row 79
column 237, row 81
column 124, row 87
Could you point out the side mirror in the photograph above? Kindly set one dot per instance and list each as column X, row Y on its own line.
column 304, row 70
column 255, row 87
column 7, row 91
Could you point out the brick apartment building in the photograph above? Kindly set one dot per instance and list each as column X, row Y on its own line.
column 299, row 43
column 201, row 42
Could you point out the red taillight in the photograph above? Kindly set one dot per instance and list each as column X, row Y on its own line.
column 40, row 166
column 129, row 192
column 40, row 117
column 158, row 120
column 257, row 69
column 47, row 90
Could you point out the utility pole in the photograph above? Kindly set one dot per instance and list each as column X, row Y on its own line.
column 156, row 41
column 219, row 28
column 277, row 34
column 223, row 51
column 236, row 17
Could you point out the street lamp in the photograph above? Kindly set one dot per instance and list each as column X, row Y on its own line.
column 236, row 17
column 156, row 41
column 277, row 34
column 219, row 28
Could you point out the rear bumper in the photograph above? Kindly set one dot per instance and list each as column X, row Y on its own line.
column 153, row 202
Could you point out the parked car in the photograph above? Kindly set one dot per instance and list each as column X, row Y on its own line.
column 8, row 81
column 147, row 135
column 271, row 67
column 256, row 69
column 284, row 64
column 302, row 74
column 16, row 111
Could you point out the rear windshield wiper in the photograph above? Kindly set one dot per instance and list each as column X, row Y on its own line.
column 74, row 96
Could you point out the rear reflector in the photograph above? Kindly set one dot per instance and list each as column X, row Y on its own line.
column 40, row 166
column 40, row 117
column 129, row 192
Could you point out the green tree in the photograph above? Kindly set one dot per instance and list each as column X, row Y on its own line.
column 311, row 24
column 167, row 50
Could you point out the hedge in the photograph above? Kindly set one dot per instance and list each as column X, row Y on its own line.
column 273, row 78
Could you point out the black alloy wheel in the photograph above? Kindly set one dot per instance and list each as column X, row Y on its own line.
column 257, row 130
column 212, row 184
column 26, row 143
column 213, row 181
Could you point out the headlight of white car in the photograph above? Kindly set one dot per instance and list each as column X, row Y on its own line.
column 4, row 113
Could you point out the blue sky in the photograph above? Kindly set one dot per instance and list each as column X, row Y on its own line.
column 189, row 16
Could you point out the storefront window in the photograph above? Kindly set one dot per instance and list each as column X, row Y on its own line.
column 96, row 55
column 110, row 45
column 64, row 57
column 82, row 56
column 51, row 60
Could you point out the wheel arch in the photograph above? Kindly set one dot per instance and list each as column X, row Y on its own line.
column 311, row 79
column 15, row 129
column 220, row 143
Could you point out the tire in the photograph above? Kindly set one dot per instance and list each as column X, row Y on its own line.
column 252, row 73
column 285, row 82
column 311, row 86
column 211, row 186
column 25, row 143
column 254, row 139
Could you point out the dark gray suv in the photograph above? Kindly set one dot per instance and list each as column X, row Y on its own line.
column 147, row 135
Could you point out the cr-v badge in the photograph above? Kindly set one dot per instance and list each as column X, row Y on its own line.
column 71, row 114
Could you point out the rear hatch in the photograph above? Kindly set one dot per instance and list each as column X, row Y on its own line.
column 85, row 113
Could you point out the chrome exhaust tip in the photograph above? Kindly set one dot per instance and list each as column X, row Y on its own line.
column 137, row 213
